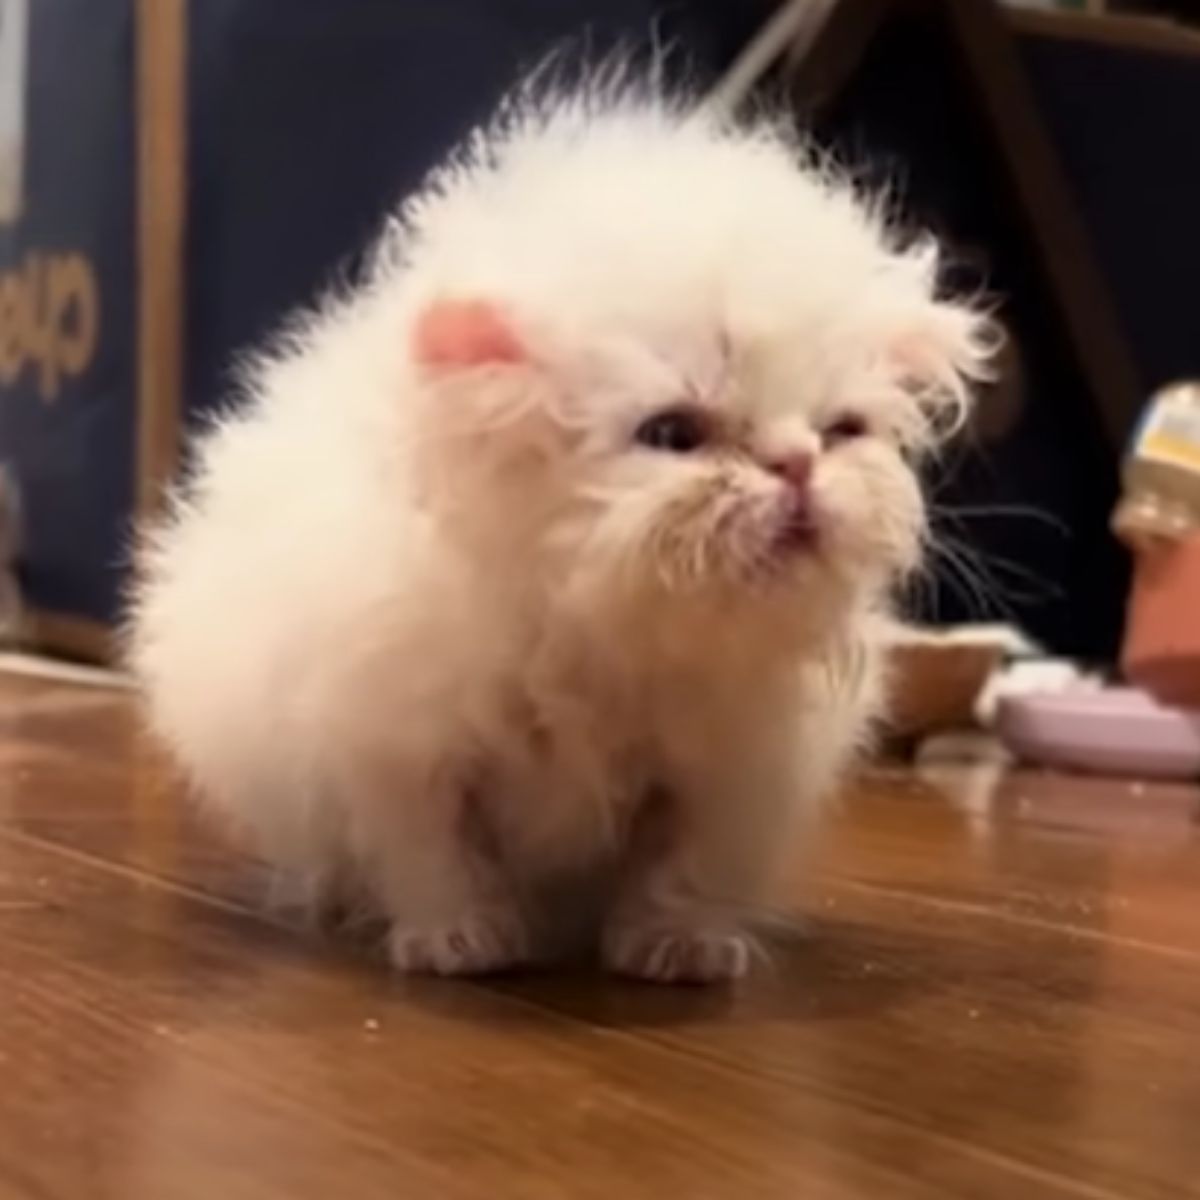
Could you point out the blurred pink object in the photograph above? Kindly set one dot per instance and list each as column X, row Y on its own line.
column 1161, row 652
column 1105, row 731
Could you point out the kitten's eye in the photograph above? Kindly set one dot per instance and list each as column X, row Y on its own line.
column 846, row 428
column 679, row 430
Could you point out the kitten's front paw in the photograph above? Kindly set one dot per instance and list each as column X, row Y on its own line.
column 668, row 954
column 476, row 945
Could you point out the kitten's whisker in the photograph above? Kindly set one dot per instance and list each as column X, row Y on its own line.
column 981, row 597
column 983, row 560
column 961, row 513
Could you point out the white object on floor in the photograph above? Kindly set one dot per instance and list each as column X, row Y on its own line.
column 967, row 768
column 1032, row 676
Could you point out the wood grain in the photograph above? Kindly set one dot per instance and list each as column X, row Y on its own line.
column 995, row 993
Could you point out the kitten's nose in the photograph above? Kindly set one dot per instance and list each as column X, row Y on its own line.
column 795, row 468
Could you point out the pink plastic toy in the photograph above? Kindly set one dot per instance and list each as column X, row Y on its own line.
column 1109, row 731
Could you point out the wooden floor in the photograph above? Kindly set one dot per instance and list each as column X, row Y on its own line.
column 998, row 996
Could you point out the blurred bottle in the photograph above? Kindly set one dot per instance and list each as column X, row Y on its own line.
column 1158, row 518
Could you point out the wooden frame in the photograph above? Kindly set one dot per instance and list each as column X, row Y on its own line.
column 1026, row 158
column 1155, row 35
column 161, row 224
column 67, row 636
column 160, row 113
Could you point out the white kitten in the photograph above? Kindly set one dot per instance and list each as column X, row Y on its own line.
column 555, row 551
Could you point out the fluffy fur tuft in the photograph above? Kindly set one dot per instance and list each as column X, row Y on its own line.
column 552, row 555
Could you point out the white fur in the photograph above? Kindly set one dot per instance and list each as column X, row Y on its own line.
column 446, row 638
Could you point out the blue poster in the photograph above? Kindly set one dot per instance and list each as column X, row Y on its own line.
column 67, row 292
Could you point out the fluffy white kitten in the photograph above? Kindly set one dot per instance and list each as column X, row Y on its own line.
column 555, row 552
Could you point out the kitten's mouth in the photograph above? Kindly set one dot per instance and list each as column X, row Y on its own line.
column 798, row 533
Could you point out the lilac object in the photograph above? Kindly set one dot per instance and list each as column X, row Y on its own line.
column 1107, row 731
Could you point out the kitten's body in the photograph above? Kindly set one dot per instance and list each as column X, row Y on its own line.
column 437, row 629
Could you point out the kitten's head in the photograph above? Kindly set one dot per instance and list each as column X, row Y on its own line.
column 664, row 363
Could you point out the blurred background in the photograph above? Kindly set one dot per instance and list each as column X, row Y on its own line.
column 175, row 177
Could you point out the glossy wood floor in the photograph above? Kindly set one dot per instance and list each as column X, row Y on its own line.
column 998, row 996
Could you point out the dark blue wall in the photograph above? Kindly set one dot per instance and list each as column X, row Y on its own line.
column 66, row 424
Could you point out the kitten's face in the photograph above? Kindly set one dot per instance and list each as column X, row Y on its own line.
column 721, row 473
column 702, row 467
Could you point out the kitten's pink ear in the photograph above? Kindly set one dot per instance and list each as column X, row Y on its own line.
column 455, row 335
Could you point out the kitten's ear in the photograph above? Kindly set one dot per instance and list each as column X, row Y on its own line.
column 473, row 351
column 460, row 335
column 941, row 350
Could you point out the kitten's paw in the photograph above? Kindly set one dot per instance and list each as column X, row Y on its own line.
column 476, row 945
column 666, row 954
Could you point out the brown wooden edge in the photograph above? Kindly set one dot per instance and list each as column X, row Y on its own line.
column 1152, row 34
column 161, row 123
column 821, row 64
column 1000, row 90
column 161, row 226
column 68, row 636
